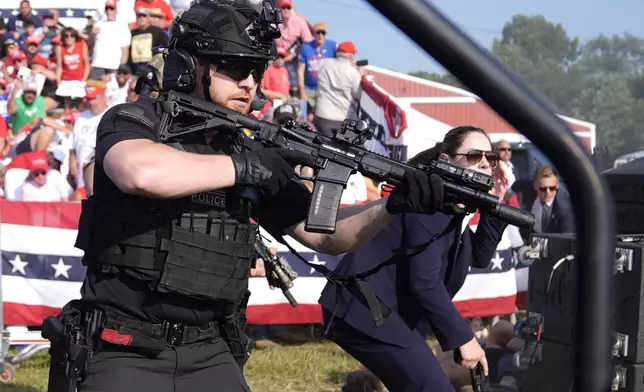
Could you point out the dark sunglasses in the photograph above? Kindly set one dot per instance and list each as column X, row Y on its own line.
column 546, row 188
column 110, row 9
column 39, row 173
column 288, row 7
column 475, row 156
column 69, row 36
column 505, row 149
column 320, row 32
column 239, row 70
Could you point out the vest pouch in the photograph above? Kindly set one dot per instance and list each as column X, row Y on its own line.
column 212, row 266
column 135, row 252
column 85, row 226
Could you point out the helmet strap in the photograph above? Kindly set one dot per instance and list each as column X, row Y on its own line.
column 205, row 80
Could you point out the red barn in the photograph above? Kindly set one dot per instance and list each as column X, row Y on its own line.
column 454, row 106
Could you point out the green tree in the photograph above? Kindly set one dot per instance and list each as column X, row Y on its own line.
column 606, row 100
column 543, row 55
column 601, row 81
column 621, row 55
column 539, row 40
column 636, row 85
column 618, row 54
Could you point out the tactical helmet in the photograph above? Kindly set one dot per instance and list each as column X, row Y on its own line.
column 228, row 28
column 219, row 31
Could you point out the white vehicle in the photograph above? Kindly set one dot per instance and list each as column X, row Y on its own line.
column 624, row 159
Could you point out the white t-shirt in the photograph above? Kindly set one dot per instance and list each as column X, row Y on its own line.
column 115, row 94
column 179, row 5
column 61, row 145
column 84, row 141
column 124, row 12
column 111, row 38
column 356, row 190
column 55, row 189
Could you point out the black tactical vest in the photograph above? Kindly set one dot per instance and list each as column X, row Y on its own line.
column 199, row 246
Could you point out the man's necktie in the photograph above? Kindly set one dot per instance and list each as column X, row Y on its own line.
column 545, row 217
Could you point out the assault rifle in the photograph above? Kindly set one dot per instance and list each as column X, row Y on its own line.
column 278, row 271
column 337, row 158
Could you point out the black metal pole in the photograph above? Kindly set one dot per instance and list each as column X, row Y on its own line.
column 509, row 97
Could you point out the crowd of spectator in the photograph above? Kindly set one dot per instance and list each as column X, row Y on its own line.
column 56, row 82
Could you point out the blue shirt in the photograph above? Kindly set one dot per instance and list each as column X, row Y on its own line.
column 46, row 47
column 313, row 60
column 16, row 23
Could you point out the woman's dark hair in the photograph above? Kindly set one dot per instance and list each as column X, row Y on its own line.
column 70, row 30
column 452, row 141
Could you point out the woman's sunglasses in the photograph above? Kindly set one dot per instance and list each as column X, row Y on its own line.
column 475, row 156
column 240, row 70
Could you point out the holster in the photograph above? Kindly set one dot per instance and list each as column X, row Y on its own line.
column 72, row 335
column 233, row 331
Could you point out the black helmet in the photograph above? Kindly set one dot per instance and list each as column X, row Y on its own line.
column 243, row 29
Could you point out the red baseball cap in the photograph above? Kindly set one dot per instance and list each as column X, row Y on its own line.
column 71, row 116
column 285, row 3
column 110, row 4
column 29, row 160
column 19, row 55
column 38, row 161
column 33, row 39
column 347, row 47
column 94, row 88
column 281, row 51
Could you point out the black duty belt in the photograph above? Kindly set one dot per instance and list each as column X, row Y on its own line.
column 155, row 336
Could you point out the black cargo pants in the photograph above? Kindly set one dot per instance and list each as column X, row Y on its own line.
column 196, row 367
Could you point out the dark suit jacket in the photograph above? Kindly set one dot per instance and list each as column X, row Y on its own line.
column 562, row 218
column 422, row 286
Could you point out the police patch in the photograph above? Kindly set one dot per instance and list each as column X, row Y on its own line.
column 213, row 199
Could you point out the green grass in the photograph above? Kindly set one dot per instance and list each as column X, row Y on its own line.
column 312, row 367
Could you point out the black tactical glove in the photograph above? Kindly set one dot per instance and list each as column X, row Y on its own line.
column 269, row 169
column 419, row 193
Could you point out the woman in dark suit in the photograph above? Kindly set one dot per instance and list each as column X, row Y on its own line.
column 421, row 286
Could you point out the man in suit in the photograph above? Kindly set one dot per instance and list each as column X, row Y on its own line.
column 552, row 208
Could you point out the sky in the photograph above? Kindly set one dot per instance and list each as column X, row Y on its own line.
column 483, row 21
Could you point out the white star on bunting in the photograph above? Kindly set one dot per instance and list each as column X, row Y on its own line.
column 18, row 265
column 497, row 262
column 316, row 261
column 61, row 268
